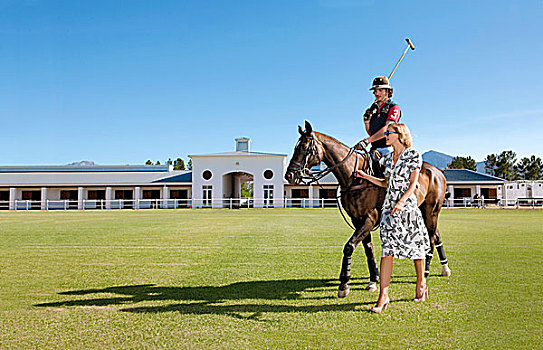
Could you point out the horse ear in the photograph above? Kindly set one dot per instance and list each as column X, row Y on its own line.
column 300, row 130
column 308, row 127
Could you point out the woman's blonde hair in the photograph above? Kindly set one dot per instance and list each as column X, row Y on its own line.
column 404, row 136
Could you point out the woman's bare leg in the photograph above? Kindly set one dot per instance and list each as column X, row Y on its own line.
column 421, row 280
column 385, row 273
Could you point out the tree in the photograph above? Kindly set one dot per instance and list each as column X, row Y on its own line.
column 530, row 168
column 189, row 165
column 148, row 162
column 179, row 164
column 246, row 189
column 490, row 164
column 463, row 163
column 169, row 161
column 505, row 165
column 157, row 162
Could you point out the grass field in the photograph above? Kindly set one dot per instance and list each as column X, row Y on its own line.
column 258, row 279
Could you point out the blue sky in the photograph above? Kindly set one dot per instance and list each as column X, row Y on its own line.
column 120, row 82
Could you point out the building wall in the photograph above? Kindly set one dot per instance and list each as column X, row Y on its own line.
column 524, row 189
column 255, row 165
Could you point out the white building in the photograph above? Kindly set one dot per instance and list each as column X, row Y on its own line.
column 217, row 178
column 216, row 181
column 464, row 184
column 525, row 192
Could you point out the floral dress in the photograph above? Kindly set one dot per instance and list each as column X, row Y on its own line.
column 404, row 234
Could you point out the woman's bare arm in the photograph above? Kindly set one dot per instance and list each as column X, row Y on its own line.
column 377, row 181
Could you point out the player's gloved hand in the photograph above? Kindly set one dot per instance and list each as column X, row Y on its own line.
column 367, row 116
column 362, row 145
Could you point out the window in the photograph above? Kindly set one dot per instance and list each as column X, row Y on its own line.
column 124, row 194
column 207, row 175
column 31, row 195
column 462, row 192
column 4, row 198
column 327, row 193
column 127, row 197
column 268, row 196
column 300, row 193
column 4, row 195
column 68, row 195
column 207, row 192
column 179, row 194
column 268, row 174
column 151, row 194
column 97, row 194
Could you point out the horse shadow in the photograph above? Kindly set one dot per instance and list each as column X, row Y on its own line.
column 247, row 300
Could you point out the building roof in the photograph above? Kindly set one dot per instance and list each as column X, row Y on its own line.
column 238, row 154
column 452, row 175
column 465, row 175
column 84, row 169
column 185, row 177
column 90, row 178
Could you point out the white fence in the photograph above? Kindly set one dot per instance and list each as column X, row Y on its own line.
column 230, row 203
column 494, row 203
column 235, row 203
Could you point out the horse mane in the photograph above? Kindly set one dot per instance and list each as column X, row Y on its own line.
column 330, row 138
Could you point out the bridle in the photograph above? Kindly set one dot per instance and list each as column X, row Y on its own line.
column 307, row 177
column 304, row 173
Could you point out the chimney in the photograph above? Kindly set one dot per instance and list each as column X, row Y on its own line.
column 243, row 144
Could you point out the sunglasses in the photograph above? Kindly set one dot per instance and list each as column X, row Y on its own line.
column 390, row 132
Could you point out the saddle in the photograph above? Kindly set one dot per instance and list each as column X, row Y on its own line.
column 374, row 169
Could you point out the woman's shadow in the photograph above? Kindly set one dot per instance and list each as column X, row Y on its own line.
column 231, row 299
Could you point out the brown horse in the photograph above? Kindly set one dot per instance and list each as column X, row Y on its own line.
column 363, row 200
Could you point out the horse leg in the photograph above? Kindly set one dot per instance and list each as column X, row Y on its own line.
column 445, row 270
column 430, row 220
column 429, row 256
column 372, row 264
column 345, row 275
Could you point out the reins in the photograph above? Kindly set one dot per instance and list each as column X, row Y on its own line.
column 307, row 177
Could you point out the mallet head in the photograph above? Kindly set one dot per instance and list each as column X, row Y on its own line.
column 410, row 44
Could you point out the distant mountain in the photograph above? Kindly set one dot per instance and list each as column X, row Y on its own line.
column 481, row 167
column 83, row 163
column 437, row 159
column 440, row 160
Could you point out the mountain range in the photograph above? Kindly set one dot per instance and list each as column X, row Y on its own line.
column 83, row 163
column 440, row 160
column 437, row 159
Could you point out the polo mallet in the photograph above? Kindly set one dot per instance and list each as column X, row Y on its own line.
column 409, row 45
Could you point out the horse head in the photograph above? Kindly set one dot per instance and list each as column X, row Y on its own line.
column 308, row 152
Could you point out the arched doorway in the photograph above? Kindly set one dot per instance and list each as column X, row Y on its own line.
column 238, row 190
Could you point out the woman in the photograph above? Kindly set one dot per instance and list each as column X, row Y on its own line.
column 403, row 233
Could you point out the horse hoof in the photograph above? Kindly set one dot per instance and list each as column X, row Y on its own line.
column 371, row 286
column 342, row 293
column 445, row 271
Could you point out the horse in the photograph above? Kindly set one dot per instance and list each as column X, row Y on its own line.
column 362, row 200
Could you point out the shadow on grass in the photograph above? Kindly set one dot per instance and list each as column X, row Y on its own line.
column 223, row 300
column 233, row 299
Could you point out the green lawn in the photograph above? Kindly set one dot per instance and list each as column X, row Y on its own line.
column 258, row 279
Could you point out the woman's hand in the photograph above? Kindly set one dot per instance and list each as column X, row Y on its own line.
column 360, row 174
column 398, row 207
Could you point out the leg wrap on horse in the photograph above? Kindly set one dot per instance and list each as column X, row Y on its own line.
column 428, row 261
column 372, row 265
column 441, row 252
column 345, row 274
